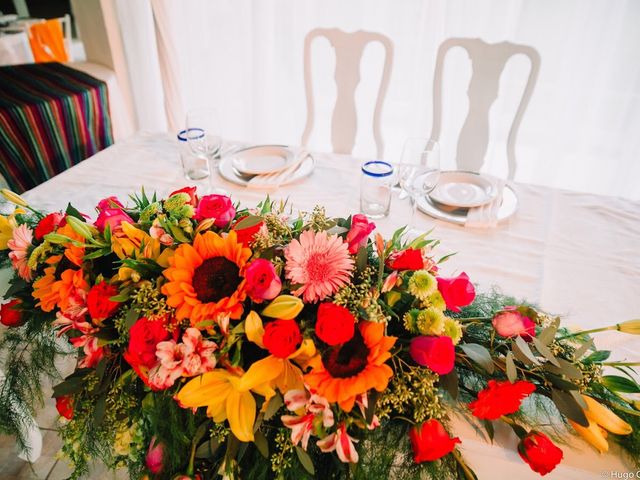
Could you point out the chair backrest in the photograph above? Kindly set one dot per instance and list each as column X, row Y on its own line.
column 349, row 48
column 487, row 62
column 48, row 42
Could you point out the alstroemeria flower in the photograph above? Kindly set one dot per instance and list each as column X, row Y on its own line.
column 225, row 398
column 273, row 370
column 302, row 425
column 342, row 443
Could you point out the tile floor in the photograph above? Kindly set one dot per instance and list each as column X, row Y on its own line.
column 48, row 466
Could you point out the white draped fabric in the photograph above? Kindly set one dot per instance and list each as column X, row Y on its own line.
column 245, row 57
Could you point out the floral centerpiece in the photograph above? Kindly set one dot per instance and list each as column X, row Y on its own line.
column 218, row 341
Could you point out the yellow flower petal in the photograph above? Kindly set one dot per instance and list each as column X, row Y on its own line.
column 261, row 372
column 592, row 435
column 605, row 418
column 253, row 328
column 207, row 390
column 241, row 412
column 285, row 307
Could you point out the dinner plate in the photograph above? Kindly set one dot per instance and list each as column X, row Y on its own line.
column 262, row 159
column 230, row 173
column 463, row 189
column 458, row 215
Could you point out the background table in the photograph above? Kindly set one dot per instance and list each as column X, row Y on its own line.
column 573, row 254
column 51, row 117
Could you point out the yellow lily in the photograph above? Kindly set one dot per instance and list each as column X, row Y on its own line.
column 7, row 224
column 271, row 370
column 131, row 242
column 220, row 391
column 285, row 307
column 601, row 420
column 13, row 197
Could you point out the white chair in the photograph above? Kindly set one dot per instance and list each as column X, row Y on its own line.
column 349, row 48
column 488, row 62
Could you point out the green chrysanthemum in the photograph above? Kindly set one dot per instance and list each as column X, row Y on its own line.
column 150, row 212
column 435, row 300
column 422, row 284
column 177, row 206
column 430, row 321
column 410, row 320
column 453, row 329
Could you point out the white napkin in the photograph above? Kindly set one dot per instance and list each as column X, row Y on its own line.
column 270, row 181
column 486, row 216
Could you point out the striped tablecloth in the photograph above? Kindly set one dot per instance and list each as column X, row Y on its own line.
column 51, row 117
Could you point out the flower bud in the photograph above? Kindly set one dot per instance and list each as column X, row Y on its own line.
column 13, row 197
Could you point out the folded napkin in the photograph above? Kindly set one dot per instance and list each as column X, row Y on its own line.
column 486, row 216
column 270, row 181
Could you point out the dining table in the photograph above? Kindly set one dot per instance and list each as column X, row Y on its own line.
column 573, row 254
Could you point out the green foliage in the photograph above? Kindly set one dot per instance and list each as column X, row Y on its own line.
column 29, row 354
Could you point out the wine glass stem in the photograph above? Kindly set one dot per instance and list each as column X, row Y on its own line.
column 412, row 199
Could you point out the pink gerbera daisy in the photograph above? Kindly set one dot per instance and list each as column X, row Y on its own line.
column 19, row 244
column 320, row 263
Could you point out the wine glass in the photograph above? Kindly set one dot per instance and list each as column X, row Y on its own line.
column 418, row 171
column 203, row 136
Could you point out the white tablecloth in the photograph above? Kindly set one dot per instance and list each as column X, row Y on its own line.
column 573, row 254
column 15, row 49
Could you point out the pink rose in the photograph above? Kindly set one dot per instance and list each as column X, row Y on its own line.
column 262, row 280
column 511, row 323
column 437, row 353
column 112, row 217
column 360, row 230
column 456, row 291
column 155, row 456
column 218, row 207
column 109, row 202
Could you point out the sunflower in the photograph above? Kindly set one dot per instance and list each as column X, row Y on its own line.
column 206, row 278
column 345, row 371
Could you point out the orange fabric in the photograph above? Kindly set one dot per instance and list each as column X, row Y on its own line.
column 47, row 42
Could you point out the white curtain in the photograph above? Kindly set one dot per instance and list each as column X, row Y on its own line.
column 244, row 57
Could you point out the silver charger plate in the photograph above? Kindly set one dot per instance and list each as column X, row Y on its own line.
column 507, row 209
column 463, row 189
column 262, row 159
column 228, row 172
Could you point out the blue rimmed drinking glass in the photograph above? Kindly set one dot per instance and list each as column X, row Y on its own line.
column 375, row 188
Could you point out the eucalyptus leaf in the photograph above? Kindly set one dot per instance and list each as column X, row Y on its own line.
column 337, row 230
column 545, row 352
column 131, row 317
column 582, row 349
column 305, row 460
column 548, row 334
column 560, row 382
column 597, row 356
column 248, row 221
column 569, row 370
column 479, row 354
column 208, row 448
column 488, row 426
column 449, row 383
column 274, row 405
column 512, row 372
column 522, row 351
column 569, row 407
column 578, row 398
column 261, row 443
column 361, row 259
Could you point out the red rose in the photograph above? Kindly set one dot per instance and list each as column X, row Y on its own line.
column 262, row 281
column 64, row 405
column 98, row 303
column 109, row 202
column 437, row 353
column 539, row 452
column 511, row 323
column 10, row 316
column 456, row 291
column 431, row 441
column 245, row 235
column 191, row 191
column 282, row 337
column 112, row 217
column 335, row 324
column 144, row 336
column 218, row 207
column 500, row 398
column 48, row 224
column 359, row 233
column 155, row 456
column 409, row 259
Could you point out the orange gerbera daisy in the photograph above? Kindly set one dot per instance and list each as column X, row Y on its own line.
column 73, row 253
column 206, row 279
column 345, row 371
